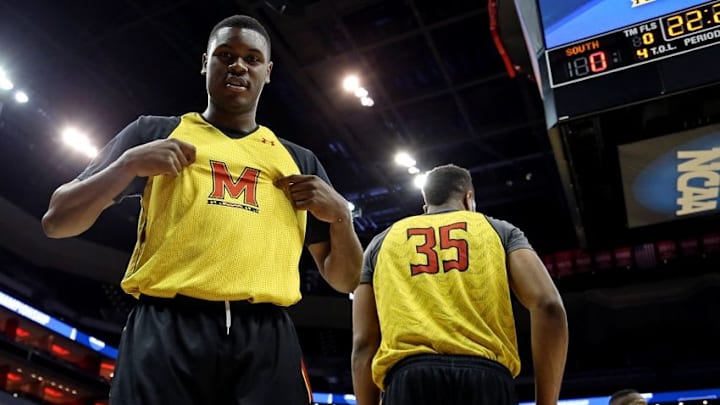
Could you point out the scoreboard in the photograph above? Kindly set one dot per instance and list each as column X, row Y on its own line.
column 590, row 56
column 631, row 95
column 680, row 32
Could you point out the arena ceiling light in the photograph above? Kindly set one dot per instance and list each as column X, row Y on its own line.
column 367, row 102
column 5, row 82
column 404, row 159
column 6, row 85
column 79, row 141
column 351, row 84
column 419, row 180
column 360, row 92
column 21, row 97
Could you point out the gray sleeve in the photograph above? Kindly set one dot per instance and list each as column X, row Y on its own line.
column 370, row 257
column 143, row 130
column 317, row 231
column 511, row 236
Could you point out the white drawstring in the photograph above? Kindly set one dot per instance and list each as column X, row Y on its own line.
column 228, row 317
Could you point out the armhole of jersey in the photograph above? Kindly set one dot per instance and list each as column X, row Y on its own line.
column 494, row 224
column 376, row 245
column 510, row 239
column 160, row 127
column 305, row 160
column 145, row 129
column 316, row 231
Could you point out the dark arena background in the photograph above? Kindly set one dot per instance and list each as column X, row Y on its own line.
column 593, row 125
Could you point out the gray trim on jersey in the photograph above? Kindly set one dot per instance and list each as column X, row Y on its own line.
column 512, row 239
column 141, row 131
column 511, row 236
column 150, row 128
column 370, row 257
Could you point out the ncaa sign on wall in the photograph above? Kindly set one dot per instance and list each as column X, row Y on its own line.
column 671, row 177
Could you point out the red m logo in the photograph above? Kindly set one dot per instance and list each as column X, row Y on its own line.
column 245, row 185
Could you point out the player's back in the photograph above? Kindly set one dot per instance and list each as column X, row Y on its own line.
column 441, row 287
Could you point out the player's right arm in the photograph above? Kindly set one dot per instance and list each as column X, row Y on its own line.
column 365, row 344
column 75, row 206
column 536, row 291
column 366, row 328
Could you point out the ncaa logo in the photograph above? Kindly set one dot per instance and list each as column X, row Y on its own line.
column 638, row 3
column 683, row 181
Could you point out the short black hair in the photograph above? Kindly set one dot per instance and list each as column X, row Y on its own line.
column 445, row 182
column 241, row 21
column 622, row 393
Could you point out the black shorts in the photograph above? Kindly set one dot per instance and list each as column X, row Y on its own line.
column 437, row 380
column 180, row 352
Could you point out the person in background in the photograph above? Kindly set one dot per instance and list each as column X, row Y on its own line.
column 226, row 209
column 627, row 397
column 432, row 317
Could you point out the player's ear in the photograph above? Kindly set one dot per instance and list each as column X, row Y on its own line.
column 269, row 70
column 469, row 201
column 203, row 68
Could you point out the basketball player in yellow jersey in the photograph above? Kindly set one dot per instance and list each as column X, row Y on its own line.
column 432, row 317
column 226, row 209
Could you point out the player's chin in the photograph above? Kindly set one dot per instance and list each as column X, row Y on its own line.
column 236, row 104
column 225, row 94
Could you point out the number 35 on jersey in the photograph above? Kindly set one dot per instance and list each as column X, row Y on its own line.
column 443, row 248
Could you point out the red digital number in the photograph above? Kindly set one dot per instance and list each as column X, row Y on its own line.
column 598, row 61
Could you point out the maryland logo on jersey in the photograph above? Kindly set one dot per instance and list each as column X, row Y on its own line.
column 244, row 186
column 638, row 3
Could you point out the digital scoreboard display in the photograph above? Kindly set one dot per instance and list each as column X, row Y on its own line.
column 671, row 34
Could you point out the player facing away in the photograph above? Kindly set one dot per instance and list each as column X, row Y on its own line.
column 432, row 316
column 226, row 208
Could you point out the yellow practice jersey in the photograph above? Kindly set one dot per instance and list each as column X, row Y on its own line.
column 220, row 230
column 441, row 287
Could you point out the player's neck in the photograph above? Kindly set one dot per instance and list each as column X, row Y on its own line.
column 434, row 209
column 241, row 122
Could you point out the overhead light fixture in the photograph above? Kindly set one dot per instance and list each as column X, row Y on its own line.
column 5, row 83
column 21, row 97
column 404, row 159
column 367, row 102
column 355, row 211
column 361, row 92
column 351, row 83
column 79, row 141
column 419, row 180
column 413, row 170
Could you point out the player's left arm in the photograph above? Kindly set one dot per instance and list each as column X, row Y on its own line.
column 366, row 340
column 339, row 258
